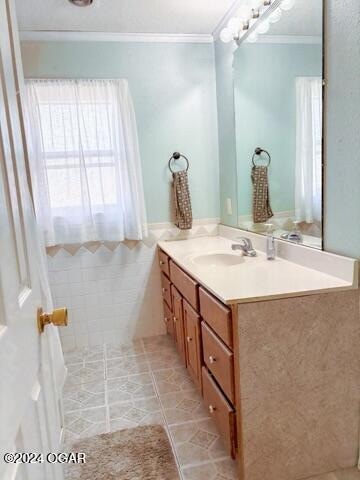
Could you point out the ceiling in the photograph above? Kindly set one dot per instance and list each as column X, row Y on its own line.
column 124, row 16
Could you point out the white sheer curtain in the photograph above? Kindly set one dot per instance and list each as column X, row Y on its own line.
column 308, row 174
column 85, row 161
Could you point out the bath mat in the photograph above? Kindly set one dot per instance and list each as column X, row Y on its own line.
column 142, row 453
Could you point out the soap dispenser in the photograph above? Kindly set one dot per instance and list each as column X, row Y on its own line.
column 270, row 242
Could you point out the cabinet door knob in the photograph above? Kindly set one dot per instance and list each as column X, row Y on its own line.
column 164, row 290
column 212, row 409
column 166, row 319
column 174, row 318
column 161, row 263
column 212, row 359
column 188, row 339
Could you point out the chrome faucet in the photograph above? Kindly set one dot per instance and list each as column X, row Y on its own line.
column 246, row 246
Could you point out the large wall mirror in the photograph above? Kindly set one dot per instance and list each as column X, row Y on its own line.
column 278, row 82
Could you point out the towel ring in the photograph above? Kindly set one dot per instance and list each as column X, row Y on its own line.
column 177, row 156
column 258, row 152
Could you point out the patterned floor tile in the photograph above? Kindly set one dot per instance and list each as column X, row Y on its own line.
column 125, row 350
column 119, row 367
column 90, row 372
column 87, row 354
column 197, row 442
column 182, row 407
column 165, row 358
column 130, row 387
column 84, row 395
column 172, row 380
column 154, row 344
column 221, row 470
column 136, row 412
column 84, row 423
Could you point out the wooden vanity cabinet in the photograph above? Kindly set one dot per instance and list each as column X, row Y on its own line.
column 178, row 319
column 166, row 290
column 164, row 263
column 217, row 316
column 192, row 323
column 220, row 410
column 201, row 327
column 219, row 360
column 168, row 319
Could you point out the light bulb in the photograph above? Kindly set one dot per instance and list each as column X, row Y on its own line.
column 287, row 5
column 275, row 16
column 263, row 27
column 226, row 35
column 252, row 38
column 234, row 25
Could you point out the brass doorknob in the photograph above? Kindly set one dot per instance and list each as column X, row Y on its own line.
column 59, row 318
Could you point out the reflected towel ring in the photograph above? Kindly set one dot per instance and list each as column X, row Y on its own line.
column 258, row 152
column 177, row 156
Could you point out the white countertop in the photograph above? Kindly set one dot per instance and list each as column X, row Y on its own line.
column 256, row 279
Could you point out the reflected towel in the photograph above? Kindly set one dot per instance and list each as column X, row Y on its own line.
column 261, row 196
column 182, row 201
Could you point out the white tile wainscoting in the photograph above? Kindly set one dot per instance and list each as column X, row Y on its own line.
column 113, row 292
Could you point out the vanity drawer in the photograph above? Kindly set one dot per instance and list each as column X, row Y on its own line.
column 166, row 291
column 164, row 262
column 217, row 315
column 220, row 410
column 168, row 319
column 185, row 284
column 220, row 361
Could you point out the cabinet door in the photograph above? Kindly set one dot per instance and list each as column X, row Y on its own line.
column 177, row 301
column 168, row 320
column 193, row 342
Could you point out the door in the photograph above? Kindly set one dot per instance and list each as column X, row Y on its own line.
column 177, row 302
column 193, row 342
column 30, row 418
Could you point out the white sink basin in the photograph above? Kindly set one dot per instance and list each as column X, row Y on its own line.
column 219, row 259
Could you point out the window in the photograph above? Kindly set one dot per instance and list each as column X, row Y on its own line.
column 308, row 176
column 85, row 160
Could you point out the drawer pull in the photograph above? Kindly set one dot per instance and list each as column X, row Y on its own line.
column 188, row 339
column 212, row 409
column 212, row 359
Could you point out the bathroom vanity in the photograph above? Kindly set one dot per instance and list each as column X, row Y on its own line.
column 273, row 348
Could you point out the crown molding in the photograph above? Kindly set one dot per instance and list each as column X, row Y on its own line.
column 223, row 22
column 72, row 36
column 290, row 39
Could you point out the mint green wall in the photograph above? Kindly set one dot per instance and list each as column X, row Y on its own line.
column 173, row 89
column 342, row 132
column 265, row 114
column 224, row 54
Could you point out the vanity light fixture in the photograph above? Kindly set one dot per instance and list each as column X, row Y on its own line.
column 81, row 3
column 254, row 18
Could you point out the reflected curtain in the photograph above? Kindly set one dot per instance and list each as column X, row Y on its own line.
column 308, row 173
column 85, row 161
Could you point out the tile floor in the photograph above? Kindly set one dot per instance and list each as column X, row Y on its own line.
column 110, row 387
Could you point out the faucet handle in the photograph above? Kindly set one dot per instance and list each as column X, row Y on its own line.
column 246, row 242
